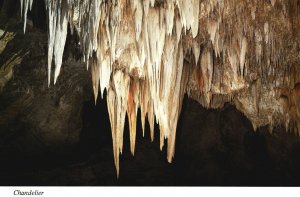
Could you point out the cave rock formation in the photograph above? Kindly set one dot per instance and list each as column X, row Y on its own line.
column 148, row 53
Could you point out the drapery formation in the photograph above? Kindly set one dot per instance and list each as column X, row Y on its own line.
column 148, row 53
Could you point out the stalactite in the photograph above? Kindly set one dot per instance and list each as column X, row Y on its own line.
column 196, row 51
column 207, row 73
column 25, row 6
column 132, row 107
column 117, row 99
column 137, row 50
column 95, row 78
column 244, row 49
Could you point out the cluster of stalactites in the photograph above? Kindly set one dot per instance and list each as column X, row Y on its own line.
column 136, row 49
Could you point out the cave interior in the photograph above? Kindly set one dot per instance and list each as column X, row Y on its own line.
column 63, row 134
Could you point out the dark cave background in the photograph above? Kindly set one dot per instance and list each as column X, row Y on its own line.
column 57, row 136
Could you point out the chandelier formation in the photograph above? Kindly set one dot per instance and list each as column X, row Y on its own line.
column 148, row 53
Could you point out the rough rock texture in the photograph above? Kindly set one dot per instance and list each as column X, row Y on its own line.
column 51, row 115
column 220, row 149
column 146, row 55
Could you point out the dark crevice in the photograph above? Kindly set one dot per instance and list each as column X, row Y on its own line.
column 213, row 147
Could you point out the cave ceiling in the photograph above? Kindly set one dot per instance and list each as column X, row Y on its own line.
column 147, row 54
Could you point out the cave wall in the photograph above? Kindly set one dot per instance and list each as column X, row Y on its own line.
column 52, row 115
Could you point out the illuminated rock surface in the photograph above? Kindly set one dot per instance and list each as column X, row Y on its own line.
column 147, row 54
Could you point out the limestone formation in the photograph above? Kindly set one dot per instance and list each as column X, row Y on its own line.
column 148, row 53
